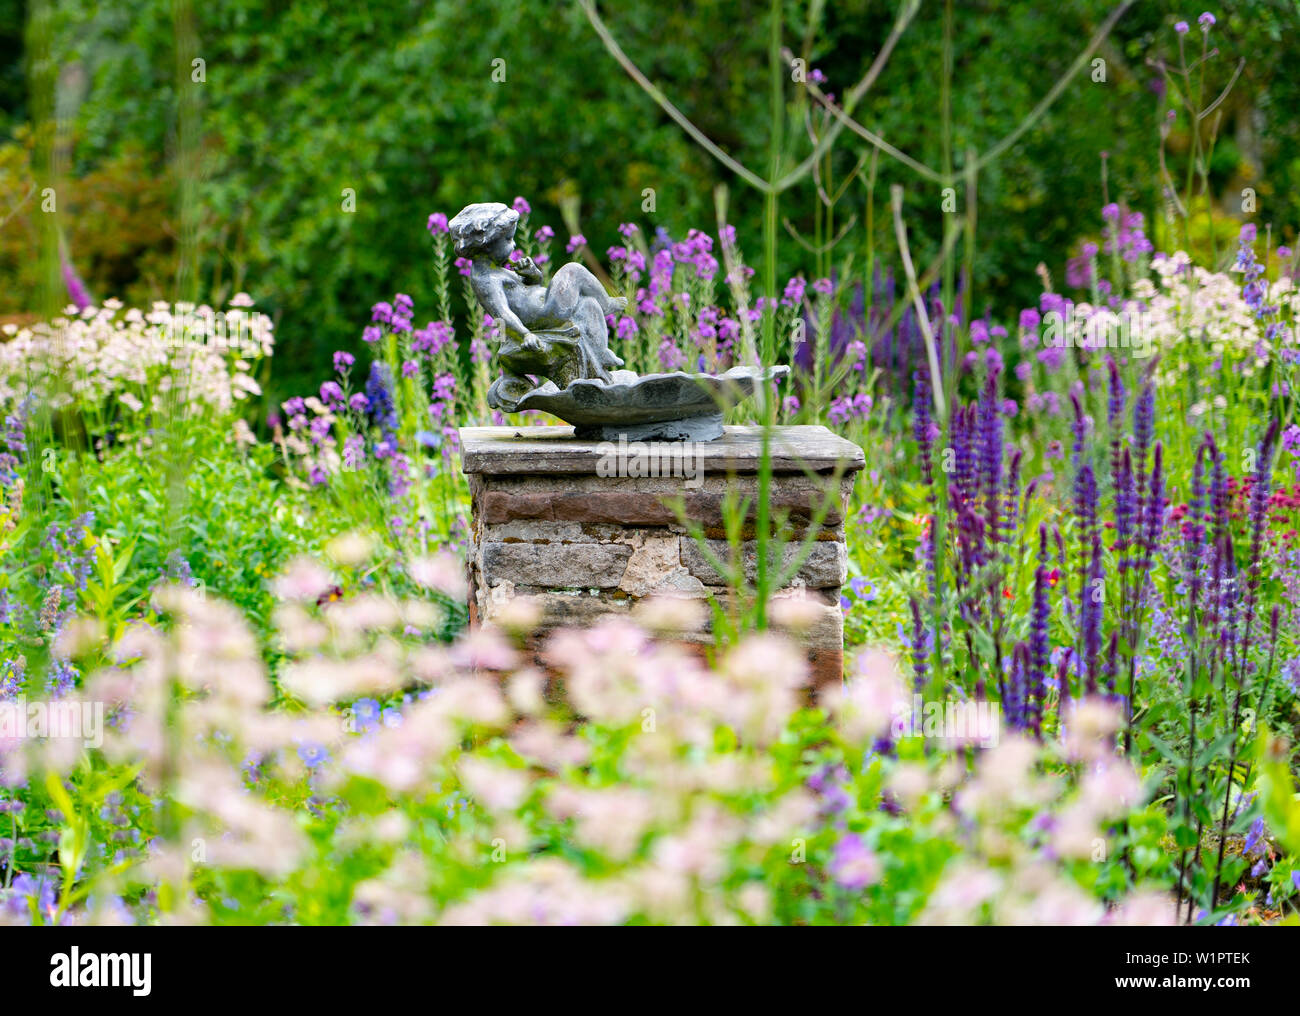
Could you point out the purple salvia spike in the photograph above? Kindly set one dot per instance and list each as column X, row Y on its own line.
column 1079, row 428
column 1124, row 510
column 990, row 454
column 1258, row 508
column 1011, row 496
column 920, row 662
column 1114, row 411
column 1091, row 611
column 1194, row 540
column 1013, row 702
column 1144, row 417
column 1039, row 647
column 1111, row 666
column 923, row 427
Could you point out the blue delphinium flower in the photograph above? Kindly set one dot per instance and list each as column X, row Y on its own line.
column 379, row 393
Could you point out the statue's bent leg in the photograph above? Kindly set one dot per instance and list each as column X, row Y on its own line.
column 572, row 283
column 589, row 316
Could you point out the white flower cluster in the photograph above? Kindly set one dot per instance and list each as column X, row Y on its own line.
column 184, row 357
column 1186, row 305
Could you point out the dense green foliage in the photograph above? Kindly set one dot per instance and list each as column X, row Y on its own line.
column 397, row 101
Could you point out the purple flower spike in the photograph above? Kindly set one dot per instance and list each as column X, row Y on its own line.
column 1039, row 655
column 923, row 425
column 920, row 648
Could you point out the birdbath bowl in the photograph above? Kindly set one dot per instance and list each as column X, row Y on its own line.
column 668, row 407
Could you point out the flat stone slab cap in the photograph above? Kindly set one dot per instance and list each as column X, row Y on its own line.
column 497, row 451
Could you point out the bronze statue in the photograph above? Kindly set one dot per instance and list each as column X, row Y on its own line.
column 557, row 332
column 558, row 335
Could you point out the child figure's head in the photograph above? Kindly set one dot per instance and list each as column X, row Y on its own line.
column 486, row 228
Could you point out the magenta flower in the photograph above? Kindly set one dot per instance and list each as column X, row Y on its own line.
column 521, row 206
column 1206, row 21
column 437, row 223
column 670, row 355
column 1181, row 27
column 853, row 866
column 432, row 338
column 575, row 241
column 77, row 291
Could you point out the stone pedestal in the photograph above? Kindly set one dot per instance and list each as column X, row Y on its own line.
column 588, row 528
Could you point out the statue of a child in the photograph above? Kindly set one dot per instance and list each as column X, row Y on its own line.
column 558, row 331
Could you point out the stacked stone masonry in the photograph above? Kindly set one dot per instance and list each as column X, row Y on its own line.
column 551, row 523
